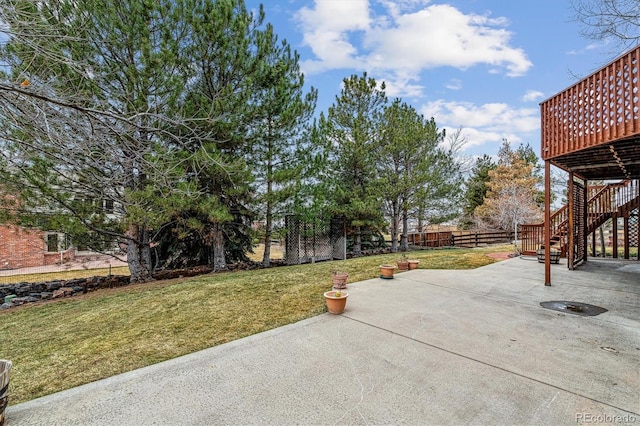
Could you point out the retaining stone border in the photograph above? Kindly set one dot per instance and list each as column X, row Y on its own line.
column 12, row 295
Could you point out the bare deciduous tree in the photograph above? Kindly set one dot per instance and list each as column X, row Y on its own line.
column 511, row 195
column 616, row 21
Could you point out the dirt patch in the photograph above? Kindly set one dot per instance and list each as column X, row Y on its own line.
column 501, row 255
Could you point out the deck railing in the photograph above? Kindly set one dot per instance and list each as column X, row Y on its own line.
column 533, row 233
column 600, row 108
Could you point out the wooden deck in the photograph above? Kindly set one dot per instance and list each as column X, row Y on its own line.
column 592, row 131
column 593, row 127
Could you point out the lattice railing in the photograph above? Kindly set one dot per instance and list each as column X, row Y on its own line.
column 579, row 249
column 598, row 109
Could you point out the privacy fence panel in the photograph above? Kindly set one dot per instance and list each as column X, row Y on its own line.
column 459, row 238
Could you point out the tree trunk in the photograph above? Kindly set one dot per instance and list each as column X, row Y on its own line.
column 394, row 227
column 515, row 236
column 404, row 244
column 219, row 260
column 138, row 254
column 145, row 252
column 266, row 257
column 357, row 241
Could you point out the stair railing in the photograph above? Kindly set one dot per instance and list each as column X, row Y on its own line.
column 612, row 198
column 609, row 199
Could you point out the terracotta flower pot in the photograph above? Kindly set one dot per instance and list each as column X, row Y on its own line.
column 339, row 280
column 403, row 265
column 386, row 271
column 335, row 303
column 413, row 264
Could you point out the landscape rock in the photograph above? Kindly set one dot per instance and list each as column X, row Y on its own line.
column 24, row 292
column 62, row 292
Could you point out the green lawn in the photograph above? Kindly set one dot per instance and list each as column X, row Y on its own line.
column 61, row 344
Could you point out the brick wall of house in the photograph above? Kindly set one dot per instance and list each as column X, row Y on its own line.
column 20, row 247
column 59, row 257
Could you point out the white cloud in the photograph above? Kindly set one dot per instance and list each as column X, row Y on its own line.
column 532, row 95
column 400, row 84
column 405, row 38
column 487, row 123
column 454, row 84
column 326, row 30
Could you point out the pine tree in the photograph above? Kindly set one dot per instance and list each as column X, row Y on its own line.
column 91, row 122
column 225, row 61
column 279, row 136
column 476, row 188
column 351, row 134
column 415, row 169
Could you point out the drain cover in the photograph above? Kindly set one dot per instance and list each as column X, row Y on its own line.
column 576, row 308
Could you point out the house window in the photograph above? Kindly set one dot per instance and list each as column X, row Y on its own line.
column 56, row 241
column 108, row 206
column 52, row 243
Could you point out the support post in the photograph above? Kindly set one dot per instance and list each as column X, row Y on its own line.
column 547, row 223
column 614, row 231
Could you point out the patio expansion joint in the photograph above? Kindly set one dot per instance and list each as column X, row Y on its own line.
column 505, row 370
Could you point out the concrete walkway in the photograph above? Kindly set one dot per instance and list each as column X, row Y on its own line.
column 426, row 348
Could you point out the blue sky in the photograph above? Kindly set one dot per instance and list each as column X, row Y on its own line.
column 482, row 66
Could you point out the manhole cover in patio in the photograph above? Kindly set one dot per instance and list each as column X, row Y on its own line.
column 577, row 308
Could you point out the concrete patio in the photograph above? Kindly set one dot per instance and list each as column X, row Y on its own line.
column 428, row 347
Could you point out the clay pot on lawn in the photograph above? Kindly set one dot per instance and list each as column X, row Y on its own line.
column 413, row 264
column 339, row 280
column 403, row 264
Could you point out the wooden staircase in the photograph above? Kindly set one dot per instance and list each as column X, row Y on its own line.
column 606, row 202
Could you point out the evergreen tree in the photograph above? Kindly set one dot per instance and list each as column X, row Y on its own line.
column 476, row 189
column 351, row 135
column 415, row 169
column 149, row 104
column 279, row 135
column 225, row 58
column 437, row 199
column 85, row 110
